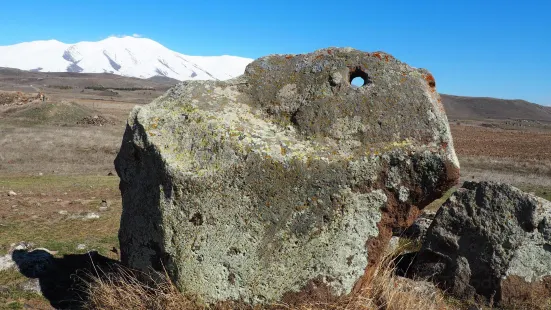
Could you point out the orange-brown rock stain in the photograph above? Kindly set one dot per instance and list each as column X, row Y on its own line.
column 430, row 79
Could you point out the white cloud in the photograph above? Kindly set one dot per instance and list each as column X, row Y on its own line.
column 136, row 35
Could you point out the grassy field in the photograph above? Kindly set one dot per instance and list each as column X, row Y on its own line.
column 65, row 197
column 65, row 200
column 518, row 157
column 51, row 211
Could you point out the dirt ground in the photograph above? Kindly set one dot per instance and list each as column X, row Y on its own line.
column 519, row 157
column 66, row 190
column 491, row 142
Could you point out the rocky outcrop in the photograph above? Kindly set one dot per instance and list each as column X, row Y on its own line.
column 490, row 239
column 283, row 183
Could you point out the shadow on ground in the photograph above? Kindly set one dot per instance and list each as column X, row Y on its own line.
column 62, row 279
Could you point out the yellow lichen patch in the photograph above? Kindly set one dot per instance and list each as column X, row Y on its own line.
column 389, row 147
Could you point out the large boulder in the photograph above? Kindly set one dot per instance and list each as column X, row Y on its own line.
column 489, row 239
column 286, row 182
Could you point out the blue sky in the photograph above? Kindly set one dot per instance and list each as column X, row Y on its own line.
column 474, row 48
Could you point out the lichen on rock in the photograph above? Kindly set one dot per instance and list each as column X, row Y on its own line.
column 284, row 181
column 489, row 239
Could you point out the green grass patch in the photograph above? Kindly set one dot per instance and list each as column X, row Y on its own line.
column 59, row 182
column 63, row 232
column 64, row 235
column 543, row 192
column 435, row 205
column 60, row 114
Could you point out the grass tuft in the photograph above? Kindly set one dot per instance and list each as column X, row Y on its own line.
column 381, row 289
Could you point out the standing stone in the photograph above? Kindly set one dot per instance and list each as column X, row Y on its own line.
column 286, row 182
column 490, row 239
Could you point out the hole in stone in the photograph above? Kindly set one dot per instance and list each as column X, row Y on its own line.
column 357, row 81
column 358, row 77
column 197, row 219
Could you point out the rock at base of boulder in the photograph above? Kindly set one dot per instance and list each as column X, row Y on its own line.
column 489, row 239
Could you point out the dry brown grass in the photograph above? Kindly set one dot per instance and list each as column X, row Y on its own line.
column 520, row 167
column 65, row 150
column 498, row 143
column 518, row 157
column 381, row 290
column 123, row 290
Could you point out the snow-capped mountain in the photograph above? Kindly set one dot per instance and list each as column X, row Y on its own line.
column 127, row 56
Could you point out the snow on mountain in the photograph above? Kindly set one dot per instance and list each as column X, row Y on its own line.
column 127, row 56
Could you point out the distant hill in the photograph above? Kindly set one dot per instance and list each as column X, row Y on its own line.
column 479, row 108
column 15, row 79
column 163, row 80
column 457, row 107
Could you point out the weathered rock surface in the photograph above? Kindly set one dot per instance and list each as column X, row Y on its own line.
column 490, row 239
column 418, row 228
column 284, row 182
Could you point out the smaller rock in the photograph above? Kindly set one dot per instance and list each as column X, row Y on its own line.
column 62, row 212
column 31, row 285
column 20, row 246
column 47, row 251
column 40, row 174
column 393, row 244
column 6, row 262
column 91, row 216
column 58, row 200
column 104, row 205
column 81, row 247
column 489, row 239
column 12, row 193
